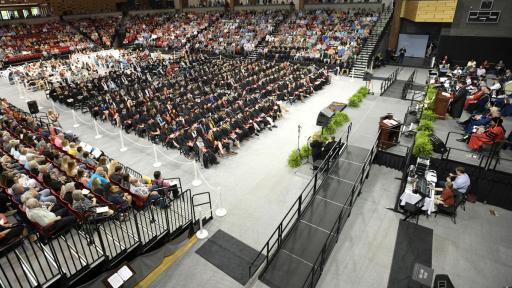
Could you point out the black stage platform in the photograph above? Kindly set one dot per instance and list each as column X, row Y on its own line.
column 293, row 262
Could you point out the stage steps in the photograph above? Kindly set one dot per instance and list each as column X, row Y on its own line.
column 372, row 43
column 303, row 249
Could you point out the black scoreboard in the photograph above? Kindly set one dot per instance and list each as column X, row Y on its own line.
column 484, row 17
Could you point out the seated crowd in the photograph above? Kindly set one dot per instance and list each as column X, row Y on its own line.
column 22, row 42
column 100, row 30
column 80, row 65
column 54, row 183
column 238, row 32
column 324, row 36
column 201, row 106
column 481, row 94
column 166, row 30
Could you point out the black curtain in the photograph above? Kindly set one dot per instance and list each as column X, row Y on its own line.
column 491, row 187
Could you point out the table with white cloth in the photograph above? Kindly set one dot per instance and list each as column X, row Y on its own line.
column 428, row 203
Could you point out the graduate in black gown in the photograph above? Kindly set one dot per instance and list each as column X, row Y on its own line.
column 457, row 104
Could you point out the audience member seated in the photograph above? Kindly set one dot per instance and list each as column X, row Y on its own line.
column 9, row 232
column 478, row 121
column 491, row 135
column 42, row 216
column 118, row 197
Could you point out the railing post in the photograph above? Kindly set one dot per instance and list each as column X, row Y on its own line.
column 314, row 183
column 300, row 205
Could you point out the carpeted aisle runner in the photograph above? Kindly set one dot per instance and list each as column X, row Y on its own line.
column 413, row 245
column 230, row 255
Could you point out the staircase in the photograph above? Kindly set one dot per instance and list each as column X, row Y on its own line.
column 255, row 53
column 362, row 61
column 119, row 33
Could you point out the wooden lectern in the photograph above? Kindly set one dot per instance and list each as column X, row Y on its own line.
column 389, row 132
column 441, row 104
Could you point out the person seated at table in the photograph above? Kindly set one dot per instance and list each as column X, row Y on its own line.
column 494, row 133
column 460, row 180
column 447, row 196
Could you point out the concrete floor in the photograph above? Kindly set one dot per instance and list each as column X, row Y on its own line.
column 258, row 188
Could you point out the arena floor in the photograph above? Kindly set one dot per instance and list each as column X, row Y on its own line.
column 258, row 188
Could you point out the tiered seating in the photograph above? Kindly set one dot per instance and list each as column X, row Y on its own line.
column 238, row 32
column 22, row 42
column 164, row 30
column 100, row 30
column 321, row 35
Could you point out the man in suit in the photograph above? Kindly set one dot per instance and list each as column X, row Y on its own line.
column 328, row 147
column 457, row 103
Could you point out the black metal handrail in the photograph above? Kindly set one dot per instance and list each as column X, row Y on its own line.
column 379, row 38
column 334, row 233
column 408, row 84
column 203, row 203
column 291, row 217
column 489, row 155
column 386, row 83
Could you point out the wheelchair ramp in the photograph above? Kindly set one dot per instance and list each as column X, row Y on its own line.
column 293, row 263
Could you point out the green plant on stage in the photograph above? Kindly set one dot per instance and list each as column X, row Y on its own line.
column 330, row 129
column 426, row 126
column 422, row 146
column 339, row 119
column 295, row 159
column 305, row 151
column 428, row 115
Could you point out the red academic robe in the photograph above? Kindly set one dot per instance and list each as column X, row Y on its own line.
column 474, row 98
column 492, row 135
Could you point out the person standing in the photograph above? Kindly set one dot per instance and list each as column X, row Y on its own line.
column 457, row 103
column 401, row 55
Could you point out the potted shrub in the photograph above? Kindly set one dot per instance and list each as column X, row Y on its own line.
column 426, row 126
column 294, row 160
column 422, row 146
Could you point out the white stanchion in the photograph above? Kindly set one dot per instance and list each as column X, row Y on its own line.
column 201, row 233
column 196, row 182
column 220, row 211
column 156, row 164
column 75, row 124
column 19, row 90
column 123, row 148
column 98, row 135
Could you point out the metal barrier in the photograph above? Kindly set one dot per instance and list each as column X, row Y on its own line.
column 408, row 84
column 291, row 217
column 386, row 83
column 207, row 203
column 23, row 264
column 72, row 253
